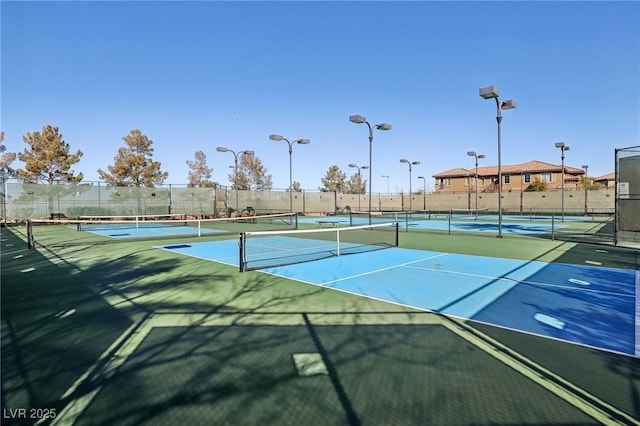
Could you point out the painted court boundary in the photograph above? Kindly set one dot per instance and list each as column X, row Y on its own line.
column 132, row 338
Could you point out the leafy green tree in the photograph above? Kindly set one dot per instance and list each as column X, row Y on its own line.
column 6, row 159
column 333, row 181
column 537, row 185
column 49, row 158
column 133, row 165
column 251, row 174
column 356, row 185
column 199, row 173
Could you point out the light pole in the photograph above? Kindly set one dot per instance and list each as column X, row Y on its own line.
column 388, row 191
column 586, row 168
column 359, row 181
column 235, row 158
column 492, row 92
column 301, row 142
column 404, row 160
column 563, row 147
column 521, row 193
column 476, row 156
column 358, row 119
column 424, row 192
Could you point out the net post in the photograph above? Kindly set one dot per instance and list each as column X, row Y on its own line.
column 30, row 239
column 397, row 243
column 241, row 246
column 338, row 242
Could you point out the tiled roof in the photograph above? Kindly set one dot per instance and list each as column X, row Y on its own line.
column 608, row 176
column 458, row 172
column 533, row 166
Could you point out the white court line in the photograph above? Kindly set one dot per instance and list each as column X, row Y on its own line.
column 375, row 271
column 220, row 260
column 542, row 284
column 8, row 253
column 76, row 407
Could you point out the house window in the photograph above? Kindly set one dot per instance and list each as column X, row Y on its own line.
column 507, row 178
column 527, row 178
column 467, row 181
column 445, row 182
column 546, row 177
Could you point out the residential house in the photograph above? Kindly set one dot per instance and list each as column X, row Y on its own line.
column 608, row 180
column 515, row 177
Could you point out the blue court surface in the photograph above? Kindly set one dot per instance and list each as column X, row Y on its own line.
column 586, row 305
column 467, row 225
column 147, row 230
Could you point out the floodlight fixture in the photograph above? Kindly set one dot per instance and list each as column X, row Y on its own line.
column 359, row 119
column 563, row 147
column 508, row 104
column 492, row 92
column 235, row 166
column 290, row 143
column 489, row 92
column 404, row 160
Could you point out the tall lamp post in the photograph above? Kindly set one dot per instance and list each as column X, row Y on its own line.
column 358, row 119
column 235, row 166
column 476, row 156
column 424, row 192
column 415, row 163
column 586, row 207
column 359, row 180
column 521, row 191
column 299, row 141
column 492, row 92
column 388, row 192
column 562, row 147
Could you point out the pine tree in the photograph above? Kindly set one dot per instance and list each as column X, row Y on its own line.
column 199, row 173
column 133, row 165
column 6, row 159
column 251, row 174
column 334, row 180
column 48, row 158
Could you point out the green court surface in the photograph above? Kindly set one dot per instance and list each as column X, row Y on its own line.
column 103, row 331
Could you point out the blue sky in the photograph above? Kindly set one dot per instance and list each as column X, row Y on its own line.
column 196, row 75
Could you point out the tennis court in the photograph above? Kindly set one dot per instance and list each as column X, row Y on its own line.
column 116, row 331
column 517, row 225
column 586, row 305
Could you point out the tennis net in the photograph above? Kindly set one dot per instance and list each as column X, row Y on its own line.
column 403, row 217
column 259, row 250
column 469, row 213
column 62, row 231
column 134, row 218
